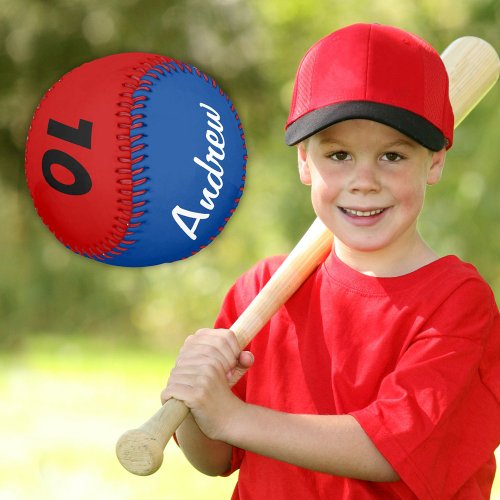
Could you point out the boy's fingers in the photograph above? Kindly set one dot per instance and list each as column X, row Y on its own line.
column 245, row 361
column 177, row 391
column 215, row 351
column 226, row 341
column 233, row 340
column 223, row 340
column 201, row 354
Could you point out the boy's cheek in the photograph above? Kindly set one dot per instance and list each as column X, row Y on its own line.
column 324, row 188
column 323, row 200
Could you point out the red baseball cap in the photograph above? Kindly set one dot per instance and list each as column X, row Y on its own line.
column 374, row 72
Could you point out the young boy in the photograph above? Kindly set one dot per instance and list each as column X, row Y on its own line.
column 380, row 377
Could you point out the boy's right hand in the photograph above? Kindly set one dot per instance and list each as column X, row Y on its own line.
column 209, row 364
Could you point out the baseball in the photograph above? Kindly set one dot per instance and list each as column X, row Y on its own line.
column 135, row 159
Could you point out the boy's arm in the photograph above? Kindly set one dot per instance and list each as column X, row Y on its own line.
column 335, row 444
column 207, row 455
column 332, row 444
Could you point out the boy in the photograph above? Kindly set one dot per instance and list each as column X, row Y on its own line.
column 379, row 377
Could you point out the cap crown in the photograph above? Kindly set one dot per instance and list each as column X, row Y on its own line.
column 375, row 63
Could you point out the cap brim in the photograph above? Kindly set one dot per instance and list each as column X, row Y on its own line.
column 410, row 124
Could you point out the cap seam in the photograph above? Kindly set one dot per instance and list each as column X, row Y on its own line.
column 367, row 61
column 313, row 71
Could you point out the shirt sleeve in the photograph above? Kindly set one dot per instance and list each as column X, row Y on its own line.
column 436, row 418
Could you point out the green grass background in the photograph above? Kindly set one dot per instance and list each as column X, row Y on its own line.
column 64, row 403
column 63, row 406
column 66, row 398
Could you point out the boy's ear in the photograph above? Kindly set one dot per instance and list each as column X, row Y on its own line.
column 304, row 172
column 437, row 166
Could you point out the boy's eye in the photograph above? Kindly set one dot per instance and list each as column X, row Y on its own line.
column 391, row 156
column 340, row 156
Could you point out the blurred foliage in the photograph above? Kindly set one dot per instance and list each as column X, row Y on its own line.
column 252, row 48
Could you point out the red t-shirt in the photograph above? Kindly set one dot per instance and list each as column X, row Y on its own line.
column 415, row 359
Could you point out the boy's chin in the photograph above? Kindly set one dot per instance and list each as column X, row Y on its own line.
column 360, row 247
column 355, row 240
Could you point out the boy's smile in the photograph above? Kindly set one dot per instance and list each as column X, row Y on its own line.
column 368, row 184
column 363, row 216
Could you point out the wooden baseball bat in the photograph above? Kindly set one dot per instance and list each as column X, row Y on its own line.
column 473, row 67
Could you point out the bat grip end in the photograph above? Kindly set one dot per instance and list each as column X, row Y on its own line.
column 139, row 452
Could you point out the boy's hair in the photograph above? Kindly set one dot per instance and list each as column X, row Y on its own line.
column 375, row 72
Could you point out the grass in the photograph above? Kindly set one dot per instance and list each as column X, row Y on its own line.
column 65, row 402
column 64, row 405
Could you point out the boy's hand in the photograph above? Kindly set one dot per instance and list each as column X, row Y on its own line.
column 209, row 364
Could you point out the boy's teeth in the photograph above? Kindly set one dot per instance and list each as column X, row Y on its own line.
column 363, row 214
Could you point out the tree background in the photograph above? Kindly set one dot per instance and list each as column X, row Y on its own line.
column 77, row 338
column 252, row 48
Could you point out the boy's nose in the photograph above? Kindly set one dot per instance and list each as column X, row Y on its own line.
column 364, row 179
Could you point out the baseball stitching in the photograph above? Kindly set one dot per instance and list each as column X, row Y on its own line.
column 132, row 177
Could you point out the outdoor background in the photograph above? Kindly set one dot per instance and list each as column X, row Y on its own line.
column 85, row 348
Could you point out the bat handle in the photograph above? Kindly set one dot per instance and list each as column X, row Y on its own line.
column 140, row 450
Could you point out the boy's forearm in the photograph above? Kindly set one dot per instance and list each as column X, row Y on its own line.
column 208, row 456
column 334, row 444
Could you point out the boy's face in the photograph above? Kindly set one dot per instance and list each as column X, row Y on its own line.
column 368, row 183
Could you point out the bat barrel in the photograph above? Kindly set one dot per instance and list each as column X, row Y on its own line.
column 473, row 67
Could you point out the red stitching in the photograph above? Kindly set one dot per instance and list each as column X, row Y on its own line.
column 119, row 229
column 138, row 159
column 139, row 182
column 125, row 225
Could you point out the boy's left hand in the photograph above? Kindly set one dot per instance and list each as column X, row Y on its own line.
column 209, row 364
